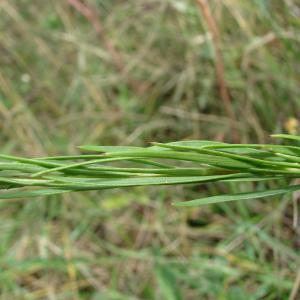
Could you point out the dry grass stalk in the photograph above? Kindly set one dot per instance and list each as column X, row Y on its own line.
column 219, row 65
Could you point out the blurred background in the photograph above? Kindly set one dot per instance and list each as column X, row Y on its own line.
column 128, row 73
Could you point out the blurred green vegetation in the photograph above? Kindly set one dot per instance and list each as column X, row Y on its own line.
column 62, row 85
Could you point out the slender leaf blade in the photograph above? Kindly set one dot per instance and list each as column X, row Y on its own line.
column 236, row 197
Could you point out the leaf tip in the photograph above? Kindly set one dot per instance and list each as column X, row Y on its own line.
column 179, row 204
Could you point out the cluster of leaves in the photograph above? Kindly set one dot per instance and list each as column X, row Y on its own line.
column 160, row 164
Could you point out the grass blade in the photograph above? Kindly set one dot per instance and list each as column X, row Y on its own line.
column 236, row 197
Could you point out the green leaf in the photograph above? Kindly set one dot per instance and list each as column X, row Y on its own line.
column 96, row 183
column 180, row 162
column 286, row 136
column 25, row 181
column 233, row 157
column 268, row 147
column 186, row 156
column 195, row 143
column 108, row 149
column 236, row 197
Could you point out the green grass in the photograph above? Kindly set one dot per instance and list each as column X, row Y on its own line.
column 205, row 162
column 59, row 88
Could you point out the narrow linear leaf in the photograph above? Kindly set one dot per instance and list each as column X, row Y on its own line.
column 236, row 197
column 95, row 184
column 286, row 136
column 108, row 149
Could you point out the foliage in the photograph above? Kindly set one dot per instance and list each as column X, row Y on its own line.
column 60, row 87
column 201, row 162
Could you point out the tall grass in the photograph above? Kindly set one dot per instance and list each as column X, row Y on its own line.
column 60, row 87
column 183, row 162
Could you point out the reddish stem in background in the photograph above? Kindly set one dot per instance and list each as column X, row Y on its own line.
column 219, row 65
